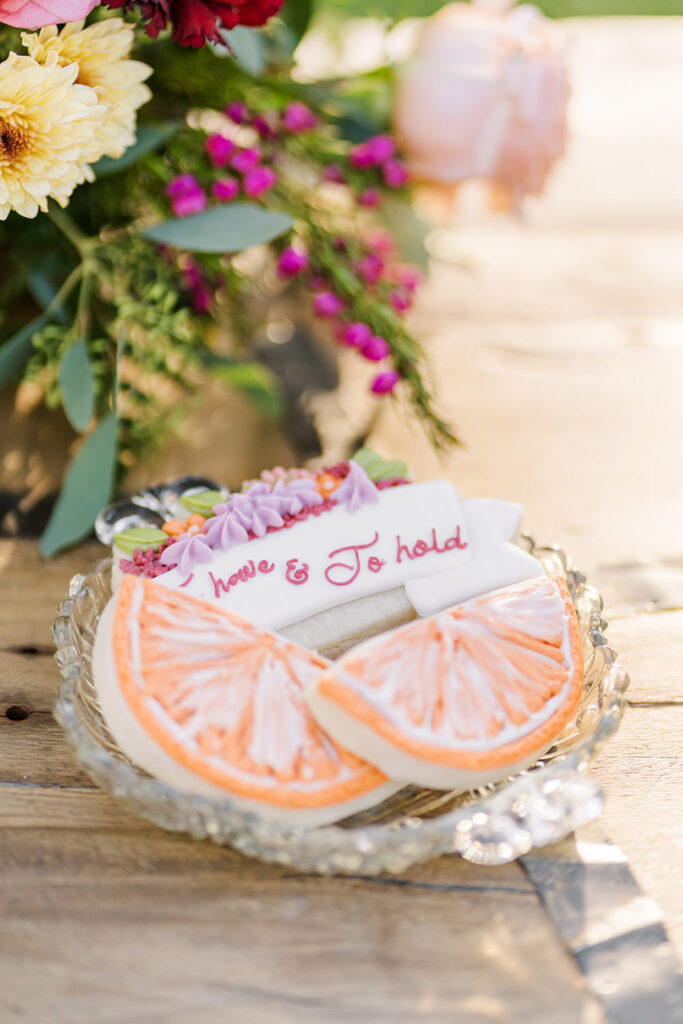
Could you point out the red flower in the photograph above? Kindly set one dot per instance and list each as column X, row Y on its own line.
column 195, row 21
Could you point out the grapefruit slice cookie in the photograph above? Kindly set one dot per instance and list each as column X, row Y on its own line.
column 208, row 702
column 465, row 697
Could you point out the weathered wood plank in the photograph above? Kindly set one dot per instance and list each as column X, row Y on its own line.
column 650, row 645
column 640, row 771
column 85, row 914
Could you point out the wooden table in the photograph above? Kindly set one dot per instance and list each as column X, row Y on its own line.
column 558, row 354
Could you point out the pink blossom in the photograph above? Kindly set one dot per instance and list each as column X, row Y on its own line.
column 334, row 174
column 298, row 118
column 219, row 149
column 225, row 189
column 181, row 184
column 370, row 268
column 291, row 262
column 401, row 300
column 380, row 148
column 384, row 383
column 327, row 304
column 370, row 198
column 395, row 174
column 361, row 157
column 187, row 195
column 31, row 15
column 258, row 180
column 263, row 127
column 357, row 334
column 407, row 275
column 245, row 159
column 375, row 349
column 237, row 112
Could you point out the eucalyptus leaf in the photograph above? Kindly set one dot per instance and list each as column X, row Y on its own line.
column 87, row 488
column 42, row 287
column 297, row 14
column 77, row 385
column 149, row 138
column 252, row 379
column 222, row 229
column 248, row 49
column 15, row 352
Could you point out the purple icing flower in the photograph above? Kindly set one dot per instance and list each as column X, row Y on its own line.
column 224, row 531
column 188, row 550
column 356, row 488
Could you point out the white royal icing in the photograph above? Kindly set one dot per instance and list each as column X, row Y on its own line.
column 421, row 536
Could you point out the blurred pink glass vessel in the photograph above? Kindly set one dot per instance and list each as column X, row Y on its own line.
column 484, row 96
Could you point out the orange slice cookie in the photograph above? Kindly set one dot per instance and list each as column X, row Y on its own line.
column 199, row 697
column 465, row 697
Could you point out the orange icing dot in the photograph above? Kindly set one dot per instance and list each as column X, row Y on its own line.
column 175, row 527
column 327, row 484
column 196, row 520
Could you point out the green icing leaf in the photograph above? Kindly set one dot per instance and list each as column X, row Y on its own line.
column 87, row 488
column 379, row 468
column 222, row 228
column 77, row 385
column 142, row 537
column 200, row 504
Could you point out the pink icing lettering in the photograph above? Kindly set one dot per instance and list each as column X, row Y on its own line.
column 188, row 580
column 422, row 548
column 295, row 575
column 218, row 585
column 265, row 566
column 375, row 563
column 344, row 568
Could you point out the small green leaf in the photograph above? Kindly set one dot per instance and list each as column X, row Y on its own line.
column 142, row 537
column 15, row 352
column 379, row 468
column 77, row 385
column 43, row 289
column 149, row 138
column 222, row 229
column 86, row 489
column 254, row 380
column 248, row 49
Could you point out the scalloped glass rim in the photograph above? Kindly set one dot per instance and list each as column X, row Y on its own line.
column 489, row 826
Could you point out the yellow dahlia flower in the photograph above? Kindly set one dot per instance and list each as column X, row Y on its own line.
column 101, row 53
column 48, row 132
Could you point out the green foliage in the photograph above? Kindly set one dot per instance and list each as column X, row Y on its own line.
column 150, row 137
column 87, row 488
column 222, row 229
column 16, row 351
column 77, row 385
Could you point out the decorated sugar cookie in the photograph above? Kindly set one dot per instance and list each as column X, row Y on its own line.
column 462, row 698
column 206, row 701
column 211, row 659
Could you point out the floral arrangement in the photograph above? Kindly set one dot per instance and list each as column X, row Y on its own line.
column 162, row 177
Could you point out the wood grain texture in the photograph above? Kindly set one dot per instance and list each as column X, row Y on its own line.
column 141, row 927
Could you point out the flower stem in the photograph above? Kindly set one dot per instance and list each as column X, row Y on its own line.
column 70, row 230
